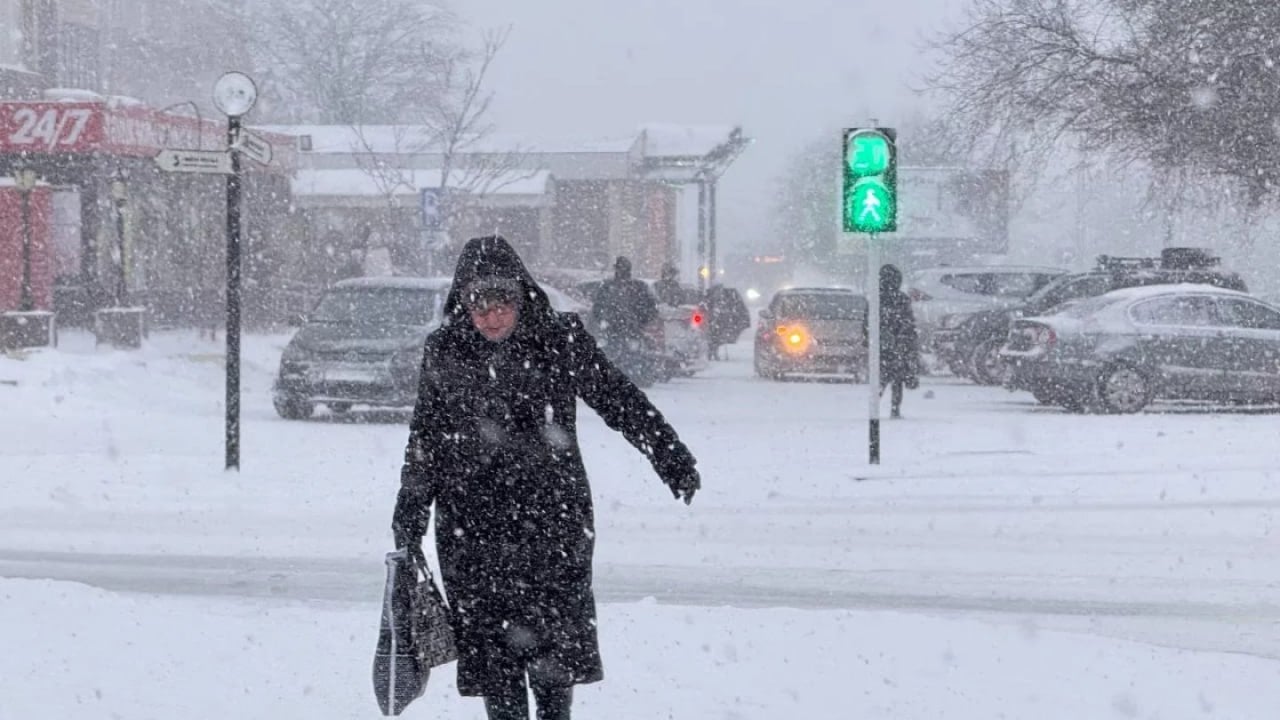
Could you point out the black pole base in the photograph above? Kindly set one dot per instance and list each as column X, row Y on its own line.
column 875, row 442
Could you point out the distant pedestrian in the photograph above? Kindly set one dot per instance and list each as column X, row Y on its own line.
column 899, row 341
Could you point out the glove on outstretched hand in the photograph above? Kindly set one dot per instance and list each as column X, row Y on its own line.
column 411, row 517
column 684, row 483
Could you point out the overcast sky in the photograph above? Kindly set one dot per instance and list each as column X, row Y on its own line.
column 786, row 70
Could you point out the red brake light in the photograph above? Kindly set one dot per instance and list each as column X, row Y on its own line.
column 696, row 319
column 918, row 295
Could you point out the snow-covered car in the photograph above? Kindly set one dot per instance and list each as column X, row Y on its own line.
column 943, row 297
column 360, row 345
column 1121, row 350
column 970, row 342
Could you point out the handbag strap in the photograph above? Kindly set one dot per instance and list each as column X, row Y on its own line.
column 419, row 560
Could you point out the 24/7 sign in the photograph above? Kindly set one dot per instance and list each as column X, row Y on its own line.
column 49, row 127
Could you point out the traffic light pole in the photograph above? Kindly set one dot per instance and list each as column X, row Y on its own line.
column 233, row 297
column 873, row 347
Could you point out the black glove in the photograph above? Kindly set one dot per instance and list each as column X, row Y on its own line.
column 411, row 517
column 684, row 483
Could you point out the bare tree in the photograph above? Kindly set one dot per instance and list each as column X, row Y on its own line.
column 1171, row 83
column 353, row 61
column 459, row 128
column 453, row 126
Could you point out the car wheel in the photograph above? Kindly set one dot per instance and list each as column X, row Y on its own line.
column 1124, row 389
column 764, row 370
column 1047, row 395
column 292, row 407
column 988, row 367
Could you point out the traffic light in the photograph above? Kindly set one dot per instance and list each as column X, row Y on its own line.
column 870, row 190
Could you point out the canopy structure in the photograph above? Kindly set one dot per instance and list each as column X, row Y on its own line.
column 692, row 154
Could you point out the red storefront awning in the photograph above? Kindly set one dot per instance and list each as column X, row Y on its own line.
column 117, row 129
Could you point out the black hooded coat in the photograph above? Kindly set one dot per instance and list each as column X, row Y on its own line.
column 899, row 341
column 493, row 444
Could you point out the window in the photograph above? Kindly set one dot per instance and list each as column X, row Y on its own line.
column 840, row 306
column 1081, row 287
column 964, row 283
column 1241, row 313
column 1181, row 311
column 376, row 306
column 996, row 284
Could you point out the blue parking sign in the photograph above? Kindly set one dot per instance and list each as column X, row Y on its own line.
column 432, row 213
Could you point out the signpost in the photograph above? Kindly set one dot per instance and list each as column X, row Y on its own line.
column 217, row 162
column 869, row 204
column 255, row 148
column 234, row 94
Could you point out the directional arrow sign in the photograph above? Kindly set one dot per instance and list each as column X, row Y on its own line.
column 255, row 147
column 217, row 162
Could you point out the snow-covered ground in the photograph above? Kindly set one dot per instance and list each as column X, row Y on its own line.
column 1005, row 561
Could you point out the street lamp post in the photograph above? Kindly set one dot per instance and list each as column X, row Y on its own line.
column 25, row 178
column 235, row 94
column 120, row 197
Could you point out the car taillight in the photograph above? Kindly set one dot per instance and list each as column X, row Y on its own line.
column 918, row 295
column 1043, row 336
column 697, row 319
column 794, row 338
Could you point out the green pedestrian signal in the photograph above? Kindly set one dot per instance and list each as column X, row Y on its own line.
column 870, row 188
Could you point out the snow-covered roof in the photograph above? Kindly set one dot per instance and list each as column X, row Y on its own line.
column 397, row 283
column 409, row 139
column 671, row 140
column 952, row 270
column 358, row 182
column 1148, row 291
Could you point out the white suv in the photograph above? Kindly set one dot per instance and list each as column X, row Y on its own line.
column 943, row 297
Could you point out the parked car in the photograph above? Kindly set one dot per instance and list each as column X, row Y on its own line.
column 362, row 345
column 1121, row 350
column 941, row 292
column 816, row 330
column 969, row 342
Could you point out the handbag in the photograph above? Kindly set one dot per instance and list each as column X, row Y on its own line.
column 431, row 623
column 415, row 634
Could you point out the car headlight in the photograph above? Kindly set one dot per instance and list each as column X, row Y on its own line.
column 753, row 294
column 955, row 320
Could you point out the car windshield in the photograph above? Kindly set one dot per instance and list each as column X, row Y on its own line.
column 828, row 306
column 377, row 306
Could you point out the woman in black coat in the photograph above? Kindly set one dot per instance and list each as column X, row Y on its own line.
column 899, row 342
column 493, row 445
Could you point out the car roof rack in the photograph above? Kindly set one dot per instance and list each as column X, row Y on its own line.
column 1113, row 262
column 1173, row 258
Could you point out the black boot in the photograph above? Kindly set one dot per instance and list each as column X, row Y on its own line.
column 553, row 702
column 507, row 707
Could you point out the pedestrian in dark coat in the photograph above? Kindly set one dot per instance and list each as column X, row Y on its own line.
column 623, row 306
column 899, row 342
column 493, row 445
